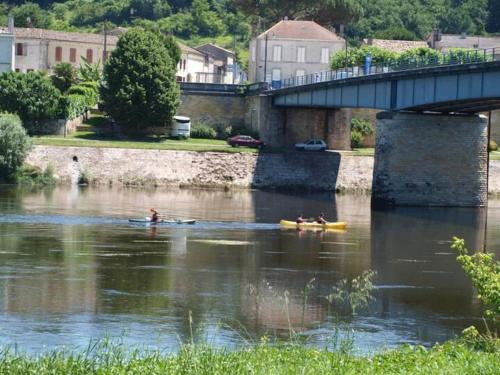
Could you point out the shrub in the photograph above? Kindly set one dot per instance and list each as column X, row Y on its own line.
column 32, row 96
column 73, row 105
column 14, row 144
column 493, row 146
column 203, row 131
column 224, row 131
column 359, row 129
column 88, row 92
column 356, row 139
column 35, row 176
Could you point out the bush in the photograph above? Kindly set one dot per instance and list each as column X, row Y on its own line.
column 203, row 131
column 493, row 146
column 34, row 176
column 88, row 92
column 73, row 105
column 356, row 139
column 359, row 129
column 14, row 144
column 64, row 76
column 32, row 96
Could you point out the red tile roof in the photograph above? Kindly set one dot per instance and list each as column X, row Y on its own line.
column 302, row 30
column 32, row 33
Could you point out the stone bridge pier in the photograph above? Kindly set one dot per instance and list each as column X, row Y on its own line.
column 430, row 160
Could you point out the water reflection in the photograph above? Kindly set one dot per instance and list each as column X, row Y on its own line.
column 72, row 267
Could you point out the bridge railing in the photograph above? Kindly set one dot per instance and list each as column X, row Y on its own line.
column 454, row 57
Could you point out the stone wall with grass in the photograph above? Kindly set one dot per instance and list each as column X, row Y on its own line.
column 320, row 171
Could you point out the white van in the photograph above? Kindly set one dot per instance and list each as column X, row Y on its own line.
column 181, row 128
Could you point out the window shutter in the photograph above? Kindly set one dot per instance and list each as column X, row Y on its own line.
column 89, row 55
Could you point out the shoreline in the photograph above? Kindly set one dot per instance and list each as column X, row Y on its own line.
column 327, row 171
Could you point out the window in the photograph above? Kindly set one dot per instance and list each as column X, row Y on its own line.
column 18, row 70
column 277, row 53
column 29, row 70
column 89, row 55
column 184, row 64
column 58, row 53
column 21, row 49
column 300, row 73
column 276, row 74
column 325, row 55
column 301, row 54
column 72, row 54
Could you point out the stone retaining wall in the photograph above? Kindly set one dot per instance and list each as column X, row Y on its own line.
column 321, row 171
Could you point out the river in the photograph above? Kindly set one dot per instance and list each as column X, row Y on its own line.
column 72, row 269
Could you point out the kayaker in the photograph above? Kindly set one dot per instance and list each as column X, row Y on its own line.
column 299, row 220
column 155, row 216
column 321, row 219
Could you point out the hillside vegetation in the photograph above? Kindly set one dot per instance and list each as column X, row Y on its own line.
column 231, row 23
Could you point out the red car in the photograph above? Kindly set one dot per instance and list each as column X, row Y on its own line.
column 244, row 140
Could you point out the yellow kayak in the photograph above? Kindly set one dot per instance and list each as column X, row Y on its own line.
column 333, row 225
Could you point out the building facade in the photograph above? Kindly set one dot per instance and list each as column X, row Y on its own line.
column 223, row 61
column 292, row 49
column 7, row 62
column 41, row 50
column 193, row 65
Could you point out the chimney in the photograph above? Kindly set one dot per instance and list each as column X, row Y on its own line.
column 10, row 24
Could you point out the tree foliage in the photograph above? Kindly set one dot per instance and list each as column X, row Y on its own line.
column 484, row 272
column 14, row 144
column 64, row 76
column 140, row 88
column 31, row 96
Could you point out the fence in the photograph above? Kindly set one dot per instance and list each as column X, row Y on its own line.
column 444, row 59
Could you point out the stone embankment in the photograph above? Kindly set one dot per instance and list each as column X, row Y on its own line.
column 315, row 171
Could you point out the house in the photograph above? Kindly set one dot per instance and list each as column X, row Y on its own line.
column 194, row 65
column 6, row 51
column 444, row 42
column 225, row 67
column 292, row 48
column 40, row 49
column 395, row 45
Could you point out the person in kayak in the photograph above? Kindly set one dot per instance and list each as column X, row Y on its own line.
column 321, row 219
column 299, row 220
column 155, row 216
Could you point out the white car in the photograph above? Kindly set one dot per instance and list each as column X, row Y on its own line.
column 311, row 145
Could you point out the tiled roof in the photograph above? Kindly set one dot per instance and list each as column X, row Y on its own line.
column 32, row 33
column 215, row 51
column 395, row 45
column 467, row 41
column 301, row 30
column 188, row 49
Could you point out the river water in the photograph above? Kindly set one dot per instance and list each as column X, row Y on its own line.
column 72, row 269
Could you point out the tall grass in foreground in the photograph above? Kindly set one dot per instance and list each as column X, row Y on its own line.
column 451, row 358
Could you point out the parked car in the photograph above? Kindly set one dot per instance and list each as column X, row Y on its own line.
column 311, row 145
column 245, row 140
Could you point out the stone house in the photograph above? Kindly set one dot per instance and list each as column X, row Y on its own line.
column 290, row 49
column 6, row 51
column 194, row 65
column 40, row 49
column 444, row 42
column 224, row 63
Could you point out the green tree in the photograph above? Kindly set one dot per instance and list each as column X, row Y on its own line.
column 484, row 272
column 150, row 9
column 207, row 21
column 140, row 88
column 31, row 15
column 32, row 96
column 89, row 72
column 64, row 76
column 14, row 144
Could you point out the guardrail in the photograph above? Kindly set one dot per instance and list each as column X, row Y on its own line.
column 445, row 59
column 237, row 89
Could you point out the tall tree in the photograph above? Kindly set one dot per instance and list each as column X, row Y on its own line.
column 140, row 88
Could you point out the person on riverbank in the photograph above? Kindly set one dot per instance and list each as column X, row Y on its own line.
column 321, row 219
column 299, row 220
column 155, row 216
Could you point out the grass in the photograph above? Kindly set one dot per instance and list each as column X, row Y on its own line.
column 450, row 358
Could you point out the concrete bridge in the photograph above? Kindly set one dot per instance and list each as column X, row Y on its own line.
column 431, row 143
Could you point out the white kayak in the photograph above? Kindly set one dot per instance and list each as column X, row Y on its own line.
column 162, row 221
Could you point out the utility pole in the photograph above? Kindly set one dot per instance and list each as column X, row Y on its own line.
column 105, row 52
column 265, row 60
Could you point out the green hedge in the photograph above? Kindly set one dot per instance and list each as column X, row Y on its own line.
column 203, row 131
column 73, row 105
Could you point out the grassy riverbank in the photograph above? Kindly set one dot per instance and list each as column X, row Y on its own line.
column 450, row 358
